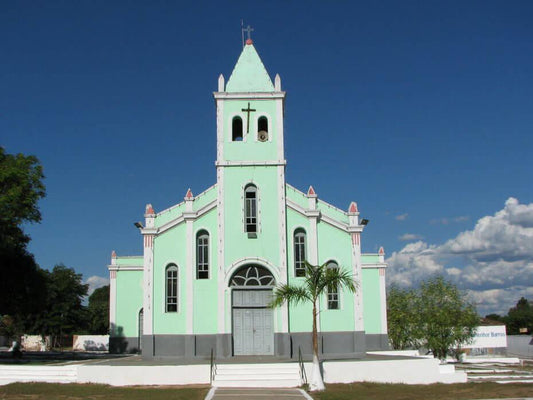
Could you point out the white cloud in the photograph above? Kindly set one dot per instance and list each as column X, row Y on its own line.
column 447, row 221
column 401, row 217
column 96, row 282
column 494, row 260
column 406, row 237
column 461, row 218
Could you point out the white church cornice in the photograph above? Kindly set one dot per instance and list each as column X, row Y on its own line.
column 250, row 163
column 249, row 95
column 180, row 219
column 125, row 267
column 162, row 212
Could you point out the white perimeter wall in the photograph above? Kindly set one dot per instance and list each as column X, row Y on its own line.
column 144, row 375
column 409, row 371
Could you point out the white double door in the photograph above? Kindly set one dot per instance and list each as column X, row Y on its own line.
column 253, row 332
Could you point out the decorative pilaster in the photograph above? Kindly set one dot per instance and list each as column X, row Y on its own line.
column 148, row 266
column 282, row 233
column 113, row 294
column 189, row 217
column 355, row 231
column 382, row 292
column 312, row 214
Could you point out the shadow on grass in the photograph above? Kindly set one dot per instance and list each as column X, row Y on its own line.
column 42, row 391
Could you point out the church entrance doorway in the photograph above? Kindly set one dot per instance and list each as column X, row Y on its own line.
column 253, row 330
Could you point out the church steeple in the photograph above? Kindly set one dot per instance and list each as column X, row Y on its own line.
column 249, row 114
column 249, row 74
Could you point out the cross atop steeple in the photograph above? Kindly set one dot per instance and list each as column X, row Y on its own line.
column 248, row 31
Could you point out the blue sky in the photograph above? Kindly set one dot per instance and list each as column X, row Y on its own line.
column 421, row 111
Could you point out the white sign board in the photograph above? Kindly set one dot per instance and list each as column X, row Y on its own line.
column 91, row 343
column 488, row 337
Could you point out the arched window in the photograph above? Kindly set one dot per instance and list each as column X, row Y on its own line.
column 171, row 273
column 250, row 209
column 236, row 129
column 202, row 255
column 299, row 252
column 262, row 129
column 333, row 290
column 253, row 275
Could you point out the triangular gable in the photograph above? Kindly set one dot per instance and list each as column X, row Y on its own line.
column 249, row 74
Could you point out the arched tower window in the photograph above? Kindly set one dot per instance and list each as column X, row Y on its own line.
column 299, row 252
column 202, row 255
column 250, row 209
column 171, row 302
column 333, row 290
column 236, row 129
column 262, row 129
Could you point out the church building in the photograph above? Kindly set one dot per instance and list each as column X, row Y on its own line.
column 211, row 262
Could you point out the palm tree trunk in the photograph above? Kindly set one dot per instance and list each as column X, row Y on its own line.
column 317, row 383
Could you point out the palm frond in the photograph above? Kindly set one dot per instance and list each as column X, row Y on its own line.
column 289, row 293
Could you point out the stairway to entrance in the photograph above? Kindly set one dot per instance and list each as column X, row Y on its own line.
column 257, row 375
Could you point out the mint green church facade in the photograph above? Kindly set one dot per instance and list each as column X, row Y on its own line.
column 210, row 263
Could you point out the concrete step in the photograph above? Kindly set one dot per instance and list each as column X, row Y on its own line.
column 30, row 373
column 257, row 375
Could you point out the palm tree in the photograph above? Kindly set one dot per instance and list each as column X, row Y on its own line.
column 319, row 279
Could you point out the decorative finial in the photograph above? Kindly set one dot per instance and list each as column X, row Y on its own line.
column 311, row 191
column 113, row 254
column 381, row 251
column 189, row 195
column 353, row 207
column 149, row 209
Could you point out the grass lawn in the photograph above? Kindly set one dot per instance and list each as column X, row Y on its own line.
column 377, row 391
column 41, row 391
column 366, row 391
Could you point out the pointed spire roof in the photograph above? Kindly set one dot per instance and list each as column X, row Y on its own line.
column 249, row 74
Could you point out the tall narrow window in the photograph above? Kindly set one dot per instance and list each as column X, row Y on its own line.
column 250, row 209
column 299, row 252
column 333, row 290
column 172, row 288
column 236, row 129
column 202, row 255
column 262, row 129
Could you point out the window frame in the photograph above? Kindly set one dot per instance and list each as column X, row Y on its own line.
column 333, row 295
column 172, row 283
column 202, row 254
column 299, row 238
column 251, row 210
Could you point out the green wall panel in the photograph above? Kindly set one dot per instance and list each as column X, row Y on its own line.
column 371, row 300
column 129, row 302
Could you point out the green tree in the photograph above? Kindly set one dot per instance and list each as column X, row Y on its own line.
column 22, row 282
column 447, row 319
column 520, row 317
column 99, row 311
column 402, row 319
column 21, row 188
column 437, row 316
column 64, row 312
column 318, row 279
